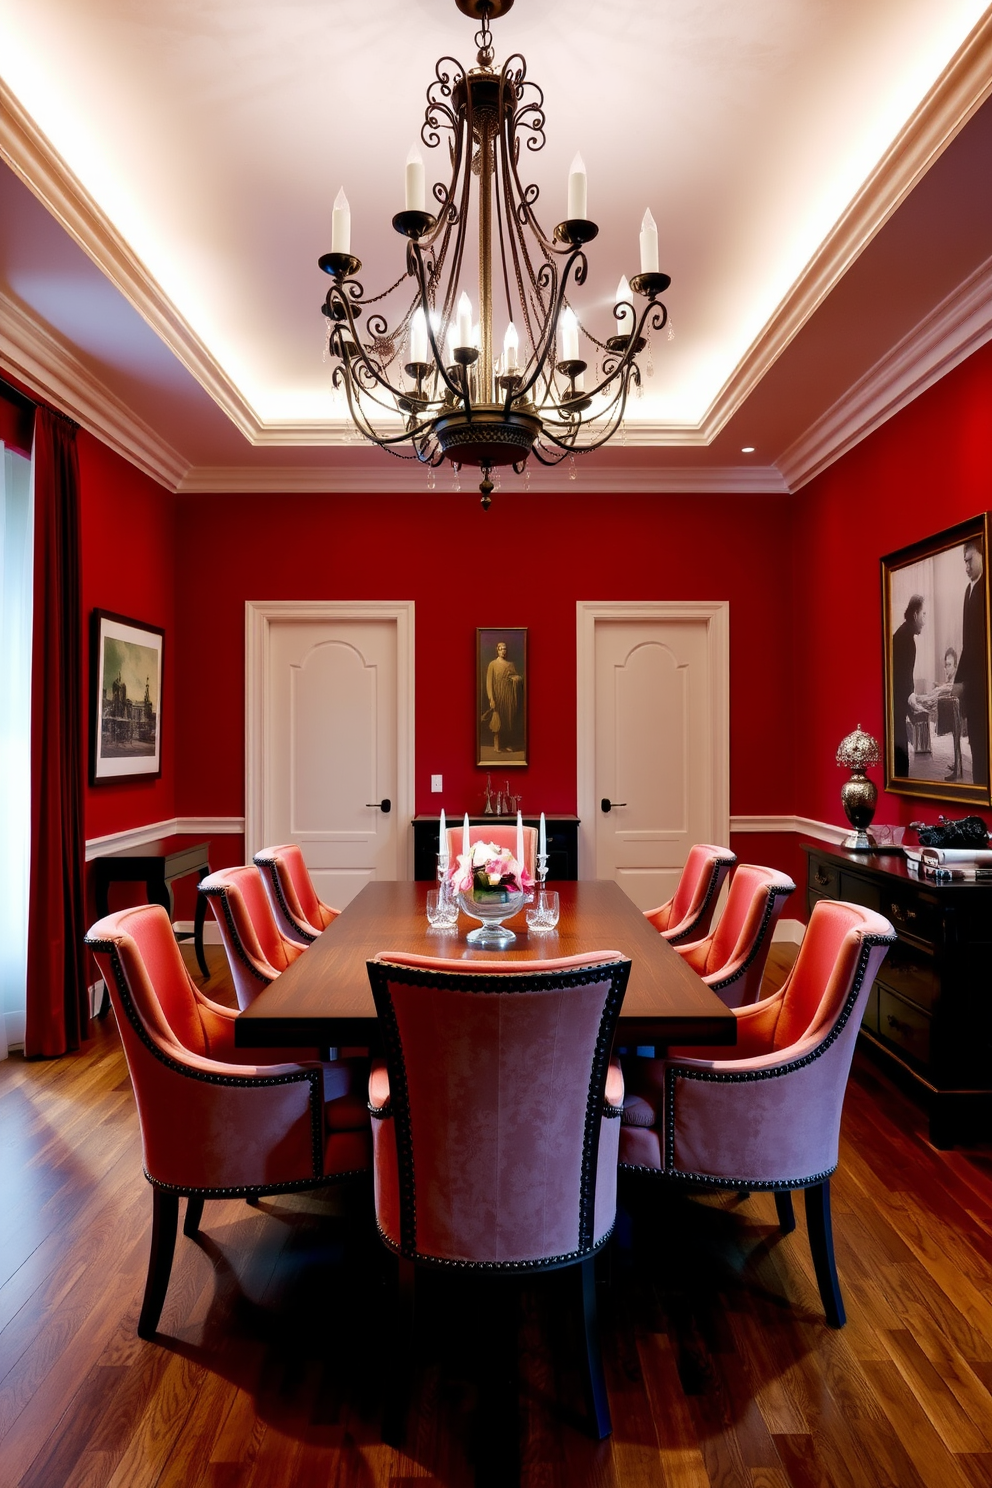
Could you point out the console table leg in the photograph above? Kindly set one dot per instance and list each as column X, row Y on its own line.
column 198, row 922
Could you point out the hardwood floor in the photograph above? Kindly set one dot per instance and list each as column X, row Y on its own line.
column 268, row 1371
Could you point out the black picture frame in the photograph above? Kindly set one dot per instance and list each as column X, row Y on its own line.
column 935, row 626
column 126, row 672
column 501, row 697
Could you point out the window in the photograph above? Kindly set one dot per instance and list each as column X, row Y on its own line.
column 15, row 738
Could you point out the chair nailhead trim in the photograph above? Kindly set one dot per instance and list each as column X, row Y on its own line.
column 717, row 864
column 775, row 891
column 221, row 893
column 542, row 1263
column 272, row 865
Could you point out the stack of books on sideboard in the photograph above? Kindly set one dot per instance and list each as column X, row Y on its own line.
column 951, row 864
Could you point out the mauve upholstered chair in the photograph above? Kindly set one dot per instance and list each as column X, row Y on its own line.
column 687, row 915
column 298, row 911
column 731, row 959
column 495, row 1123
column 503, row 834
column 216, row 1121
column 257, row 950
column 768, row 1116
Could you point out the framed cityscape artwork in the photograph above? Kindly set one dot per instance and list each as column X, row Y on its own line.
column 125, row 698
column 935, row 617
column 501, row 696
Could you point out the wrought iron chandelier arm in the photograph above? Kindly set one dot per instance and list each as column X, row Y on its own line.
column 415, row 264
column 576, row 266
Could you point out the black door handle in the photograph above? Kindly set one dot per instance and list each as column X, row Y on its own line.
column 608, row 805
column 384, row 805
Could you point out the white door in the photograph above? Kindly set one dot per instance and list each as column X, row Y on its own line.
column 333, row 746
column 653, row 742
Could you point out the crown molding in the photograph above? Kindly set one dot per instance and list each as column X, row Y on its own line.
column 387, row 477
column 34, row 159
column 51, row 368
column 955, row 328
column 961, row 89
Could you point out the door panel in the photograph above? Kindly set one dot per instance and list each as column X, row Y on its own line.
column 653, row 728
column 331, row 751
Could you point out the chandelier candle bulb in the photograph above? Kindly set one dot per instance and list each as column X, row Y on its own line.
column 341, row 224
column 649, row 244
column 578, row 190
column 464, row 320
column 511, row 343
column 625, row 315
column 416, row 191
column 569, row 336
column 418, row 337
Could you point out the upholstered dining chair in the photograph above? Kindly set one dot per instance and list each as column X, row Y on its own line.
column 298, row 911
column 495, row 1122
column 768, row 1116
column 257, row 950
column 687, row 915
column 216, row 1121
column 503, row 834
column 731, row 959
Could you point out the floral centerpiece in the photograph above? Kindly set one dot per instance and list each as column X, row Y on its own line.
column 489, row 874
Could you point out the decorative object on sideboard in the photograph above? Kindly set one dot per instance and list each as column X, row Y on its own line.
column 963, row 832
column 859, row 794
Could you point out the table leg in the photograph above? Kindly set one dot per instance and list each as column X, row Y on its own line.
column 198, row 922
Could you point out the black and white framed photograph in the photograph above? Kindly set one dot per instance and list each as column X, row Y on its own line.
column 935, row 608
column 126, row 698
column 501, row 695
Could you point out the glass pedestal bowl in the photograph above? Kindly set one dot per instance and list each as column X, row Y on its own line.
column 492, row 934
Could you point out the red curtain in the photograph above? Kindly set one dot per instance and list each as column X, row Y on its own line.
column 57, row 1001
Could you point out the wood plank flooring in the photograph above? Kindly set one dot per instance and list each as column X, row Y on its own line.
column 268, row 1370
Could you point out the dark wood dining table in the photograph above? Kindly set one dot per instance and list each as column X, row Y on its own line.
column 324, row 998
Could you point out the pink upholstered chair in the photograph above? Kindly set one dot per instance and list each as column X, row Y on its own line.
column 298, row 911
column 687, row 915
column 768, row 1116
column 494, row 1119
column 216, row 1121
column 504, row 834
column 256, row 948
column 731, row 959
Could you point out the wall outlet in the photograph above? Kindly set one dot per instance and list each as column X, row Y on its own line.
column 435, row 784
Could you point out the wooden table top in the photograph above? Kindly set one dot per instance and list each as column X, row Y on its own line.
column 324, row 998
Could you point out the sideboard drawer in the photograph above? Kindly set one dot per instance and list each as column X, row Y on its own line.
column 824, row 879
column 911, row 974
column 913, row 915
column 905, row 1026
column 857, row 890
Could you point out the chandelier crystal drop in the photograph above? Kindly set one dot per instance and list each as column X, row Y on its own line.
column 420, row 376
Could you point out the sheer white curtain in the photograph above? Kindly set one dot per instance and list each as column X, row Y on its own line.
column 15, row 739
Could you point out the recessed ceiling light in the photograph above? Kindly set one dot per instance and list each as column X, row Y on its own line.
column 747, row 449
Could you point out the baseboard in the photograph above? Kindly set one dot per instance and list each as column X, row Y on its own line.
column 211, row 934
column 790, row 932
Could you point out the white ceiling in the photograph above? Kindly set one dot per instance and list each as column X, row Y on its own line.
column 819, row 169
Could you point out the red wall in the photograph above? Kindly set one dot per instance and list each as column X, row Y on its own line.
column 927, row 468
column 128, row 535
column 525, row 562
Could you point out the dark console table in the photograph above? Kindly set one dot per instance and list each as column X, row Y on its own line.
column 157, row 865
column 562, row 836
column 929, row 1017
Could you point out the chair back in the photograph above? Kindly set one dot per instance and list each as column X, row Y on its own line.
column 503, row 834
column 256, row 948
column 498, row 1146
column 731, row 960
column 689, row 912
column 298, row 911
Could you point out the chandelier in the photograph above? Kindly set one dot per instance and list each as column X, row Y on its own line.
column 421, row 381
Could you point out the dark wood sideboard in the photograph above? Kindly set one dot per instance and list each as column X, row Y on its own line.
column 562, row 835
column 929, row 1017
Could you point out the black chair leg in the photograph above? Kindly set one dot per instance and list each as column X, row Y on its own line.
column 784, row 1210
column 165, row 1221
column 400, row 1366
column 194, row 1213
column 821, row 1243
column 597, row 1402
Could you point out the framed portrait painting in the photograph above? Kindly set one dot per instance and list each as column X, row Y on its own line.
column 125, row 698
column 935, row 615
column 501, row 696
